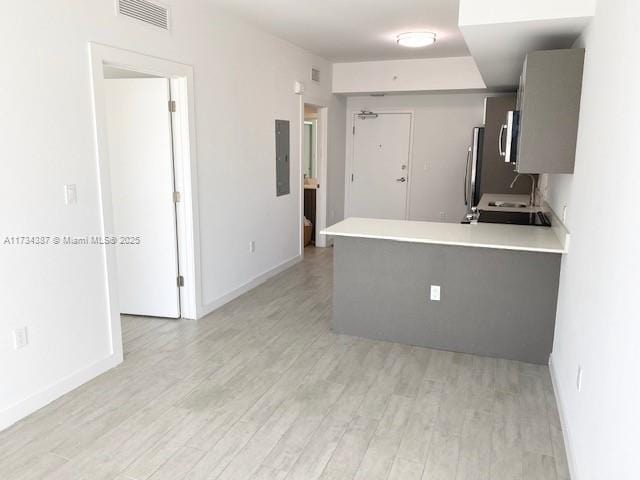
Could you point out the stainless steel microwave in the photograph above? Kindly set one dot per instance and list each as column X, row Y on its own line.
column 508, row 138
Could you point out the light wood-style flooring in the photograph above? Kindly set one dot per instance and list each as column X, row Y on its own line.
column 261, row 389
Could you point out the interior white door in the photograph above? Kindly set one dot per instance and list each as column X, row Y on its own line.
column 142, row 185
column 381, row 147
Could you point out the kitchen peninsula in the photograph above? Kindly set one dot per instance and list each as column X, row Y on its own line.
column 496, row 285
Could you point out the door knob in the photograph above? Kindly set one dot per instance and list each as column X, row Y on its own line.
column 401, row 179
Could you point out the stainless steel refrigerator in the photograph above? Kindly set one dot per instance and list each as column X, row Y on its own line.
column 486, row 169
column 473, row 174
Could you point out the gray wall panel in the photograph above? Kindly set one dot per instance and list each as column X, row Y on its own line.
column 282, row 158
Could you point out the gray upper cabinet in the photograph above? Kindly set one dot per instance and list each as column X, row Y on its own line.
column 549, row 105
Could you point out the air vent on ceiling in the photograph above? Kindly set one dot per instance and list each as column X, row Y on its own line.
column 145, row 11
column 315, row 74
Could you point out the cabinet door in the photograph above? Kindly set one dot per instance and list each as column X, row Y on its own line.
column 550, row 93
column 520, row 91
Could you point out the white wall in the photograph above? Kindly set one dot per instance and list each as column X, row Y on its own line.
column 598, row 324
column 556, row 190
column 243, row 81
column 442, row 134
column 455, row 73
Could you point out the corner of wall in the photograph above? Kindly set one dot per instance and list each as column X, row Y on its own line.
column 244, row 288
column 563, row 423
column 40, row 399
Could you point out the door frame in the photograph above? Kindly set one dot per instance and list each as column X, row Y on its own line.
column 321, row 169
column 350, row 157
column 314, row 141
column 183, row 131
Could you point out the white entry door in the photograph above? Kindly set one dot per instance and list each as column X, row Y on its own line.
column 142, row 186
column 379, row 180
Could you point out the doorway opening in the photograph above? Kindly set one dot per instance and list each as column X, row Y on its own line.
column 143, row 109
column 310, row 173
column 314, row 173
column 143, row 192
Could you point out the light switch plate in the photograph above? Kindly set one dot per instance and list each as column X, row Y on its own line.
column 70, row 194
column 20, row 338
column 579, row 379
column 435, row 293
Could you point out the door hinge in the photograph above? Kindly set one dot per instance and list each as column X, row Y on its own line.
column 176, row 197
column 354, row 129
column 352, row 177
column 180, row 281
column 172, row 106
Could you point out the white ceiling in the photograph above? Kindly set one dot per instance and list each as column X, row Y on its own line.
column 355, row 30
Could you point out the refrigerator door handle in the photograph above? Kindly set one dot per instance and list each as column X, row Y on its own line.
column 502, row 152
column 466, row 178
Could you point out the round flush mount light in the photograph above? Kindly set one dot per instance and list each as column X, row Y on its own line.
column 416, row 39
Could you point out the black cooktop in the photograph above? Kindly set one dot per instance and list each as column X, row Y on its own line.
column 537, row 219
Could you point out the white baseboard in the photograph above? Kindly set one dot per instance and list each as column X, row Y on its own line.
column 563, row 423
column 20, row 410
column 251, row 284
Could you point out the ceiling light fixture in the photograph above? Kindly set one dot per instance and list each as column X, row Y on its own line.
column 416, row 39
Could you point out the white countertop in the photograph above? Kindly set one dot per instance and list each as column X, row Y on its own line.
column 482, row 235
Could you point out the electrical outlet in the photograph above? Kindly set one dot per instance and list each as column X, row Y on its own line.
column 20, row 338
column 579, row 379
column 252, row 246
column 435, row 293
column 70, row 194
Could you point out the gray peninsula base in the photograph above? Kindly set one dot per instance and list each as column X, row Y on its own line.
column 498, row 303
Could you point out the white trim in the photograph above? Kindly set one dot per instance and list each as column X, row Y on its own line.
column 251, row 284
column 181, row 77
column 186, row 183
column 322, row 145
column 350, row 152
column 314, row 146
column 20, row 410
column 563, row 422
column 322, row 159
